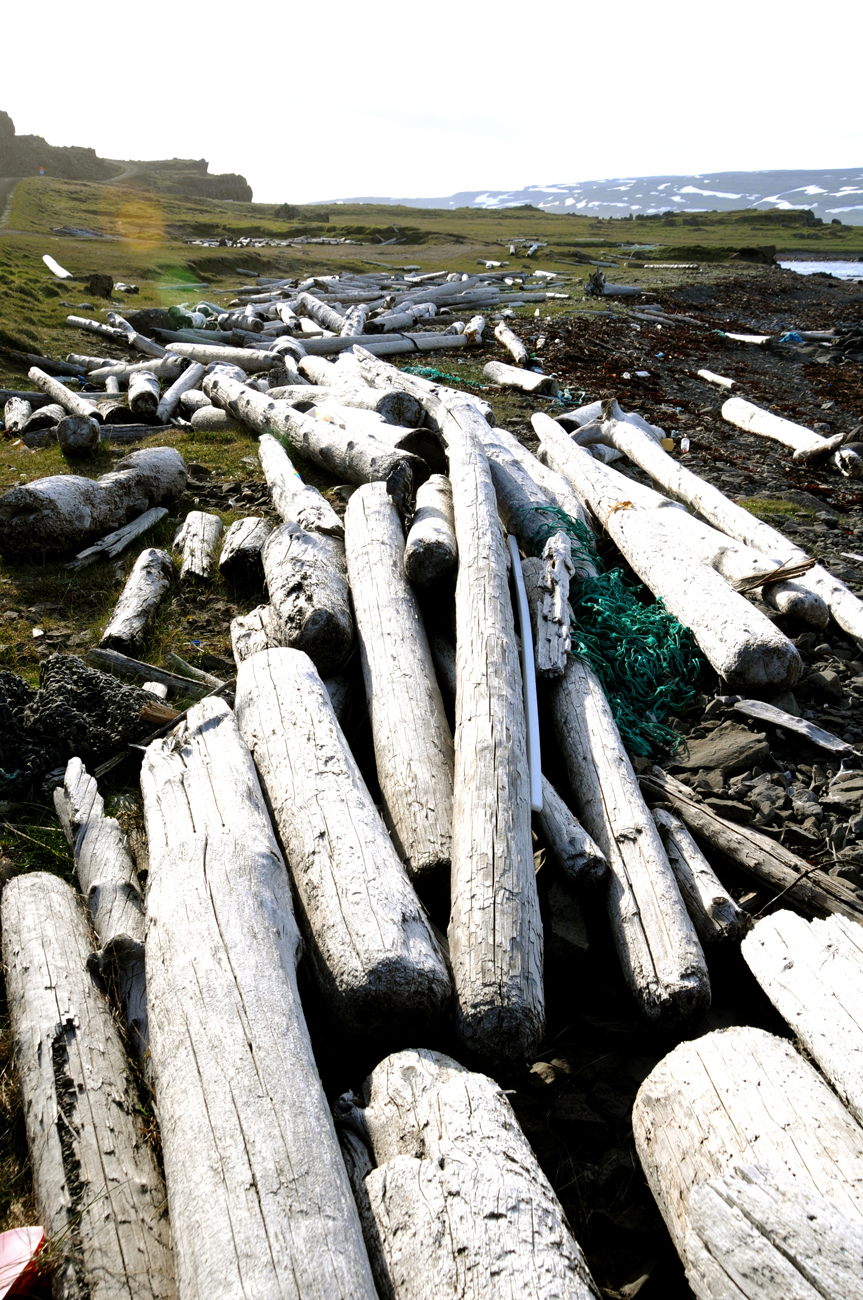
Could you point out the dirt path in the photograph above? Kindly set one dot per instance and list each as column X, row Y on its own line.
column 7, row 185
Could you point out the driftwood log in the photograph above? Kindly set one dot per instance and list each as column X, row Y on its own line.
column 412, row 739
column 170, row 399
column 198, row 538
column 16, row 413
column 98, row 1191
column 78, row 435
column 112, row 661
column 431, row 551
column 547, row 584
column 294, row 500
column 812, row 971
column 250, row 360
column 240, row 557
column 512, row 343
column 108, row 880
column 145, row 587
column 260, row 1204
column 374, row 956
column 60, row 512
column 63, row 396
column 802, row 727
column 115, row 543
column 144, row 392
column 528, row 381
column 807, row 444
column 714, row 912
column 308, row 588
column 456, row 1205
column 582, row 862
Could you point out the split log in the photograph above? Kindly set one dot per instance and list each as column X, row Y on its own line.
column 308, row 588
column 145, row 586
column 756, row 1235
column 512, row 343
column 528, row 381
column 411, row 736
column 655, row 939
column 353, row 459
column 802, row 727
column 375, row 958
column 253, row 632
column 813, row 891
column 120, row 665
column 812, row 972
column 240, row 559
column 431, row 552
column 108, row 880
column 260, row 1204
column 198, row 537
column 249, row 359
column 807, row 444
column 456, row 1205
column 16, row 413
column 97, row 1188
column 78, row 435
column 293, row 499
column 319, row 312
column 62, row 511
column 62, row 395
column 144, row 393
column 742, row 1096
column 112, row 545
column 170, row 399
column 582, row 862
column 714, row 912
column 738, row 640
column 547, row 582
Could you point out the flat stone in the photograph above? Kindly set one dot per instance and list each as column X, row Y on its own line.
column 826, row 683
column 730, row 746
column 731, row 810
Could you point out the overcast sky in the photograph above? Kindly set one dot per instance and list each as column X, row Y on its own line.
column 337, row 98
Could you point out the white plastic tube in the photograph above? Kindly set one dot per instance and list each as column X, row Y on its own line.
column 528, row 673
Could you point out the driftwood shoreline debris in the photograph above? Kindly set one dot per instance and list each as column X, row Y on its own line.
column 374, row 752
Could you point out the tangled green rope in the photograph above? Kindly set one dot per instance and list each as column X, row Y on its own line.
column 645, row 659
column 438, row 376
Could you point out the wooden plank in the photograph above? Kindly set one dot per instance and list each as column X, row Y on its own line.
column 714, row 912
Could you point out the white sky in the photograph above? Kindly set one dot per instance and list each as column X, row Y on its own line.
column 341, row 98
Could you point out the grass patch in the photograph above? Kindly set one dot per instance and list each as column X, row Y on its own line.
column 764, row 508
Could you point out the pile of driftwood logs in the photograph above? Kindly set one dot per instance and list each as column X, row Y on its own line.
column 263, row 842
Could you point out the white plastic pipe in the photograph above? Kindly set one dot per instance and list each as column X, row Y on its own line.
column 528, row 672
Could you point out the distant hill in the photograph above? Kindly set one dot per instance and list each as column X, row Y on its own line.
column 830, row 195
column 30, row 155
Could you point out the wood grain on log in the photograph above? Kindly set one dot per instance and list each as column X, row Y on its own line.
column 145, row 587
column 78, row 435
column 259, row 1200
column 240, row 558
column 97, row 1188
column 373, row 953
column 714, row 912
column 582, row 862
column 62, row 395
column 112, row 545
column 308, row 588
column 547, row 583
column 295, row 501
column 457, row 1206
column 512, row 343
column 412, row 740
column 431, row 551
column 198, row 537
column 797, row 726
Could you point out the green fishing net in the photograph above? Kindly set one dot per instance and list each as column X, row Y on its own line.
column 645, row 659
column 438, row 376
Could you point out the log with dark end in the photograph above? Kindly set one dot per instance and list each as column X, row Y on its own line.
column 240, row 558
column 582, row 862
column 79, row 435
column 308, row 588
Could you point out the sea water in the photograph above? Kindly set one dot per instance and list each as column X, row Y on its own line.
column 841, row 270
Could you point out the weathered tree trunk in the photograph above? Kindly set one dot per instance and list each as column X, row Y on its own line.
column 198, row 537
column 457, row 1206
column 62, row 395
column 376, row 960
column 170, row 399
column 807, row 444
column 547, row 582
column 412, row 740
column 97, row 1188
column 582, row 862
column 319, row 312
column 354, row 321
column 144, row 392
column 253, row 632
column 211, row 419
column 16, row 413
column 431, row 552
column 240, row 558
column 294, row 500
column 112, row 661
column 135, row 340
column 381, row 374
column 308, row 588
column 166, row 367
column 528, row 381
column 714, row 912
column 512, row 343
column 812, row 972
column 108, row 880
column 115, row 543
column 62, row 511
column 816, row 736
column 719, row 380
column 78, row 435
column 655, row 939
column 740, row 1096
column 473, row 331
column 739, row 641
column 145, row 586
column 260, row 1203
column 251, row 360
column 813, row 892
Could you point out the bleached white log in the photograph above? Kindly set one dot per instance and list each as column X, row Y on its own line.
column 212, row 419
column 198, row 538
column 63, row 396
column 240, row 557
column 140, row 598
column 112, row 545
column 112, row 385
column 294, row 500
column 135, row 340
column 656, row 942
column 57, row 513
column 78, row 435
column 528, row 381
column 375, row 958
column 404, row 317
column 120, row 665
column 741, row 1096
column 412, row 740
column 457, row 1206
column 473, row 331
column 253, row 632
column 807, row 444
column 812, row 971
column 308, row 588
column 108, row 880
column 555, row 486
column 394, row 405
column 431, row 552
column 45, row 417
column 249, row 359
column 714, row 912
column 319, row 312
column 512, row 343
column 382, row 374
column 355, row 459
column 16, row 413
column 155, row 688
column 741, row 643
column 719, row 380
column 582, row 862
column 144, row 392
column 260, row 1204
column 755, row 1235
column 547, row 582
column 166, row 367
column 170, row 399
column 98, row 1192
column 354, row 321
column 193, row 401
